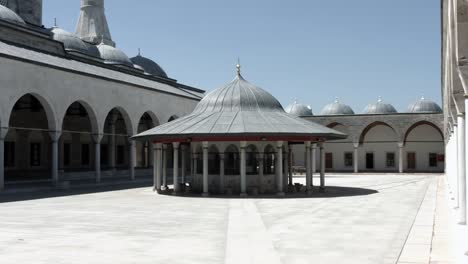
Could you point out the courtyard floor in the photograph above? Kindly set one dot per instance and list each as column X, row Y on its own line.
column 361, row 219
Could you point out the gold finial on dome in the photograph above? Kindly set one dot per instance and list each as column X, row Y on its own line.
column 238, row 67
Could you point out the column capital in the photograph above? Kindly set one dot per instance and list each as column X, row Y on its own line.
column 401, row 144
column 279, row 144
column 462, row 115
column 97, row 138
column 205, row 144
column 314, row 145
column 307, row 144
column 55, row 135
column 243, row 144
column 3, row 132
column 175, row 145
column 221, row 155
column 158, row 146
column 164, row 146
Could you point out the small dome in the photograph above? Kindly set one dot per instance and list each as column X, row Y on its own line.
column 380, row 108
column 10, row 16
column 297, row 109
column 337, row 108
column 150, row 67
column 424, row 106
column 138, row 67
column 112, row 55
column 70, row 42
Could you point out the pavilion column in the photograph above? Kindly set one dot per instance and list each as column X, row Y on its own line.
column 164, row 166
column 175, row 181
column 157, row 167
column 322, row 168
column 285, row 168
column 314, row 162
column 243, row 173
column 97, row 156
column 54, row 136
column 400, row 157
column 308, row 165
column 132, row 158
column 356, row 157
column 261, row 165
column 112, row 146
column 290, row 165
column 3, row 132
column 221, row 173
column 279, row 167
column 453, row 165
column 461, row 168
column 183, row 150
column 205, row 169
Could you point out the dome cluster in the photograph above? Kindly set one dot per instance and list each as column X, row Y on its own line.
column 378, row 108
column 108, row 53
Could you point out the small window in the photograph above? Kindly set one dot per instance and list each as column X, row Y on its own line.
column 9, row 158
column 35, row 154
column 390, row 160
column 329, row 160
column 348, row 159
column 432, row 160
column 85, row 154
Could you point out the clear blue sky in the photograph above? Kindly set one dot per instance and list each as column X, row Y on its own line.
column 307, row 49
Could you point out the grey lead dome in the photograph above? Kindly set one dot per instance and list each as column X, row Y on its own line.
column 380, row 108
column 298, row 109
column 112, row 55
column 149, row 66
column 70, row 42
column 337, row 108
column 10, row 16
column 424, row 106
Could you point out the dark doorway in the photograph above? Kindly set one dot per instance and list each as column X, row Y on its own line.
column 411, row 157
column 370, row 161
column 328, row 160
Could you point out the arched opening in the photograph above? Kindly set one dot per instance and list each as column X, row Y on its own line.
column 213, row 160
column 232, row 161
column 143, row 149
column 76, row 151
column 115, row 143
column 251, row 153
column 379, row 148
column 424, row 147
column 269, row 160
column 28, row 144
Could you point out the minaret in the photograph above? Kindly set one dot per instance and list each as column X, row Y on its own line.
column 92, row 25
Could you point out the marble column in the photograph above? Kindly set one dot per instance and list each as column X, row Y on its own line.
column 3, row 133
column 54, row 138
column 175, row 174
column 314, row 162
column 356, row 157
column 465, row 163
column 221, row 173
column 132, row 158
column 285, row 168
column 400, row 157
column 112, row 147
column 453, row 166
column 308, row 164
column 97, row 156
column 164, row 166
column 279, row 168
column 206, row 191
column 243, row 172
column 461, row 169
column 261, row 165
column 290, row 165
column 157, row 166
column 183, row 170
column 322, row 168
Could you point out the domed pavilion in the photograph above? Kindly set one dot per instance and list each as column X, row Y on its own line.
column 238, row 138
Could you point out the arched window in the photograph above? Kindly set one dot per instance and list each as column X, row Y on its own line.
column 232, row 161
column 269, row 160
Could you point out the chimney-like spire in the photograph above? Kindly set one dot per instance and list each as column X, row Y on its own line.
column 92, row 25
